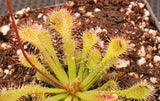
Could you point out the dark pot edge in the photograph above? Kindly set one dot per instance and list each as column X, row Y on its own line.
column 152, row 15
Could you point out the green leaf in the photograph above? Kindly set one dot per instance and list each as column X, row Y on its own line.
column 56, row 97
column 86, row 96
column 89, row 40
column 13, row 95
column 139, row 91
column 69, row 98
column 34, row 60
column 109, row 85
column 62, row 21
column 29, row 34
column 94, row 59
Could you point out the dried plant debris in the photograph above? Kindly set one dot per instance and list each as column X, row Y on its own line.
column 109, row 18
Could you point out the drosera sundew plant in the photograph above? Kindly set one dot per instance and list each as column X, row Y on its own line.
column 75, row 84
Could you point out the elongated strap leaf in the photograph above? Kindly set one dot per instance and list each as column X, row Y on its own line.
column 14, row 95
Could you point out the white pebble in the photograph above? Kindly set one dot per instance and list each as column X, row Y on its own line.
column 101, row 44
column 133, row 33
column 141, row 51
column 40, row 15
column 98, row 30
column 28, row 9
column 82, row 8
column 9, row 66
column 130, row 6
column 141, row 61
column 133, row 3
column 20, row 12
column 121, row 9
column 4, row 29
column 104, row 30
column 132, row 45
column 45, row 18
column 149, row 48
column 23, row 10
column 79, row 23
column 141, row 5
column 89, row 14
column 38, row 26
column 146, row 12
column 150, row 65
column 25, row 47
column 10, row 72
column 148, row 56
column 19, row 52
column 158, row 38
column 14, row 39
column 153, row 80
column 154, row 48
column 77, row 15
column 70, row 3
column 95, row 1
column 5, row 45
column 121, row 63
column 146, row 18
column 146, row 30
column 145, row 34
column 134, row 74
column 142, row 25
column 133, row 22
column 153, row 32
column 6, row 71
column 156, row 59
column 97, row 10
column 87, row 20
column 129, row 9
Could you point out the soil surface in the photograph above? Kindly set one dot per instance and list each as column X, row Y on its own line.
column 128, row 19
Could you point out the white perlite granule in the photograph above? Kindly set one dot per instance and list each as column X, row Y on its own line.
column 9, row 66
column 158, row 38
column 6, row 71
column 4, row 29
column 97, row 10
column 82, row 8
column 5, row 45
column 134, row 74
column 19, row 52
column 141, row 51
column 156, row 58
column 150, row 65
column 121, row 63
column 23, row 10
column 70, row 3
column 45, row 18
column 40, row 15
column 146, row 12
column 141, row 5
column 152, row 32
column 153, row 80
column 89, row 14
column 141, row 61
column 77, row 15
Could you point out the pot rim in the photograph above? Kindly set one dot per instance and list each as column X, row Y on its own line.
column 152, row 15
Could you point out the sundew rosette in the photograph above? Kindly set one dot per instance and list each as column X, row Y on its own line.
column 75, row 83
